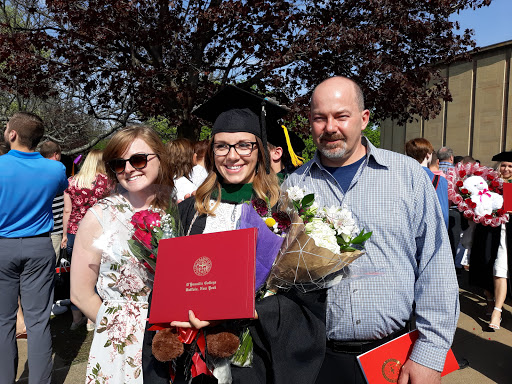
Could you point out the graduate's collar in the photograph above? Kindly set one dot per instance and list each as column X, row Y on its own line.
column 236, row 193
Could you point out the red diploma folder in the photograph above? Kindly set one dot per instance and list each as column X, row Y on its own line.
column 507, row 196
column 211, row 274
column 382, row 365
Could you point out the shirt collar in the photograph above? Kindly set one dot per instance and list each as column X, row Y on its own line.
column 371, row 153
column 24, row 155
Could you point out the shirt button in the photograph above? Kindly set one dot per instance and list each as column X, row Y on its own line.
column 358, row 322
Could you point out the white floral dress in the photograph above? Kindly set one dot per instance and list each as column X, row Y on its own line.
column 124, row 284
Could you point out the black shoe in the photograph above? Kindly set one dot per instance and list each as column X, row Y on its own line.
column 463, row 363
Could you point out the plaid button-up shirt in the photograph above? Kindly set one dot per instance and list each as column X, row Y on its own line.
column 408, row 258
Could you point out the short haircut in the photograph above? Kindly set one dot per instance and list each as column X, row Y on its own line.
column 200, row 148
column 468, row 160
column 49, row 148
column 434, row 157
column 29, row 127
column 418, row 148
column 444, row 153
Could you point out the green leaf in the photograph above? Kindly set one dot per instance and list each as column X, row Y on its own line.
column 308, row 200
column 361, row 238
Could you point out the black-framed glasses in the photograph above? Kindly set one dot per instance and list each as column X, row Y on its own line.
column 137, row 161
column 244, row 148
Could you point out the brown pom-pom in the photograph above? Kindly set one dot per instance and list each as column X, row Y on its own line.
column 166, row 345
column 222, row 344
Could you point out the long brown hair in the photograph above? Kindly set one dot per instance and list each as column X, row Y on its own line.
column 264, row 185
column 181, row 156
column 120, row 142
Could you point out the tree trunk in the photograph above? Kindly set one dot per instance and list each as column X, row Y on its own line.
column 188, row 131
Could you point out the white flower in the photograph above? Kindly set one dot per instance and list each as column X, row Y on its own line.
column 323, row 234
column 296, row 193
column 314, row 208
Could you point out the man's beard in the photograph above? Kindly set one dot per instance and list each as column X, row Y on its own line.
column 332, row 151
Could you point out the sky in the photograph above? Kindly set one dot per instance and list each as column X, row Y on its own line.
column 491, row 24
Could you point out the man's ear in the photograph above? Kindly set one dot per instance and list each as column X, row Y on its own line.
column 276, row 153
column 12, row 135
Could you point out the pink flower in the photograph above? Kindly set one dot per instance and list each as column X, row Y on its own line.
column 457, row 199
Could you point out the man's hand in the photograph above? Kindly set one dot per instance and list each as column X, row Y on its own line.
column 186, row 197
column 415, row 373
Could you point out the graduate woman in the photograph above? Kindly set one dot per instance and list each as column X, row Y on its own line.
column 288, row 336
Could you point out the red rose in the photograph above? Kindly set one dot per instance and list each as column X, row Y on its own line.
column 469, row 214
column 500, row 212
column 495, row 183
column 151, row 220
column 490, row 177
column 468, row 201
column 478, row 173
column 464, row 191
column 138, row 219
column 142, row 237
column 459, row 183
column 462, row 173
column 472, row 204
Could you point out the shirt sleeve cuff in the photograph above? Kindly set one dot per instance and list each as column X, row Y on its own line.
column 428, row 355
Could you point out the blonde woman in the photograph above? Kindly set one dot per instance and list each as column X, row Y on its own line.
column 238, row 162
column 85, row 188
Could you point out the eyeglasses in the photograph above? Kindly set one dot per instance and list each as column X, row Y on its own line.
column 243, row 149
column 137, row 161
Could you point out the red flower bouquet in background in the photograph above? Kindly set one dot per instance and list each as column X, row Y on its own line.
column 470, row 201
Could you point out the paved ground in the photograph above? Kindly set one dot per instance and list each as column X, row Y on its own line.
column 489, row 353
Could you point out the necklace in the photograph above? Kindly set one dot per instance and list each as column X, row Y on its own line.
column 233, row 217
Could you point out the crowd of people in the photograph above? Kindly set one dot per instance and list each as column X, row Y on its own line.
column 298, row 337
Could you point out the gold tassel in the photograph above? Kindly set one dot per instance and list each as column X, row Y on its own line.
column 297, row 161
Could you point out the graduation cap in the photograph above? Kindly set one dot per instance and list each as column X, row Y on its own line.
column 280, row 136
column 503, row 156
column 233, row 109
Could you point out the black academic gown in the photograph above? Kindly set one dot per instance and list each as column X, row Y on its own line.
column 288, row 338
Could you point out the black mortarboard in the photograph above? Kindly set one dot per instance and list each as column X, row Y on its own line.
column 503, row 156
column 280, row 136
column 235, row 110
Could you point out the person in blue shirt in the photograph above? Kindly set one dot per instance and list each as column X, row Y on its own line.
column 421, row 150
column 28, row 185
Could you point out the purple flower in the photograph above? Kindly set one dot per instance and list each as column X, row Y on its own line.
column 260, row 206
column 283, row 220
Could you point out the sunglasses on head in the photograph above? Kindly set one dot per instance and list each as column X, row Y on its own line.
column 137, row 161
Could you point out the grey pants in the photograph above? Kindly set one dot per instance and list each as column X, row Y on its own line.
column 27, row 268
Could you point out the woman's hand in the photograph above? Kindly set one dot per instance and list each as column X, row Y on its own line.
column 193, row 322
column 64, row 242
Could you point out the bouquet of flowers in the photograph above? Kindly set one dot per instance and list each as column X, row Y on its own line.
column 319, row 243
column 477, row 192
column 149, row 227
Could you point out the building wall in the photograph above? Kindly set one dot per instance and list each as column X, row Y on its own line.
column 478, row 121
